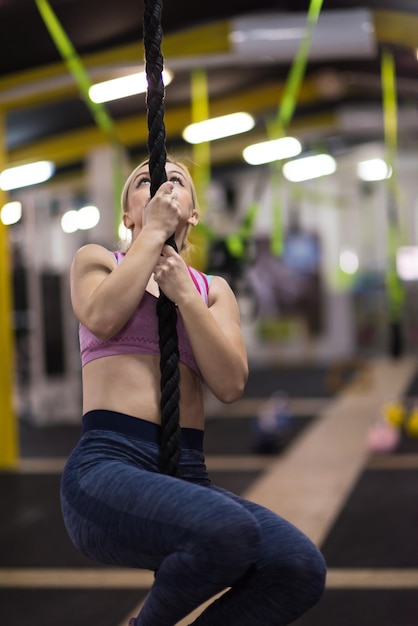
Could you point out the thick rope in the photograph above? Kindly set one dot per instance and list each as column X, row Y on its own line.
column 166, row 310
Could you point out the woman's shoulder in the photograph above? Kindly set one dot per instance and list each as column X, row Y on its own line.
column 219, row 282
column 211, row 284
column 96, row 253
column 220, row 291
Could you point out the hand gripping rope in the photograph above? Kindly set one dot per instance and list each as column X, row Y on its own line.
column 166, row 310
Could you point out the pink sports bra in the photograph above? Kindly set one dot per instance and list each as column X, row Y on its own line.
column 140, row 333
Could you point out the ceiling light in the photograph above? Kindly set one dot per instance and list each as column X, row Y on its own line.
column 407, row 262
column 373, row 169
column 218, row 127
column 349, row 262
column 275, row 150
column 309, row 167
column 85, row 218
column 69, row 221
column 124, row 86
column 88, row 217
column 25, row 175
column 11, row 213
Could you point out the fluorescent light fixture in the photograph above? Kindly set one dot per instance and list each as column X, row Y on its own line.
column 218, row 127
column 407, row 262
column 69, row 221
column 11, row 213
column 275, row 150
column 309, row 167
column 25, row 175
column 85, row 218
column 124, row 86
column 88, row 217
column 349, row 262
column 373, row 169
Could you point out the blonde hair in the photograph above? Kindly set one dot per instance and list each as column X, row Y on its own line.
column 125, row 191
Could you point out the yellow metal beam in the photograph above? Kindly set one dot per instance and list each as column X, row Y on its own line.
column 47, row 83
column 73, row 146
column 397, row 28
column 8, row 423
column 52, row 82
column 226, row 150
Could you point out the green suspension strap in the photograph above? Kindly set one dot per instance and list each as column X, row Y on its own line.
column 394, row 288
column 166, row 311
column 98, row 110
column 285, row 115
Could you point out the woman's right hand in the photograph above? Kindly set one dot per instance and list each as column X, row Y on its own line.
column 162, row 212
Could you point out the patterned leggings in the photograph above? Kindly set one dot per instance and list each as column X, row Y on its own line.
column 198, row 538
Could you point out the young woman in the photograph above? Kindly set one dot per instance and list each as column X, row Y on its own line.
column 117, row 506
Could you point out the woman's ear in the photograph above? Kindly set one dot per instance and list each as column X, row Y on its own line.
column 194, row 218
column 127, row 221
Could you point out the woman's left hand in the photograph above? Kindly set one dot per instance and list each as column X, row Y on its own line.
column 171, row 275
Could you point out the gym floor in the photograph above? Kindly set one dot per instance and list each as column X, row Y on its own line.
column 359, row 506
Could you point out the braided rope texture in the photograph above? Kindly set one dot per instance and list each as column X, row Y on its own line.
column 166, row 310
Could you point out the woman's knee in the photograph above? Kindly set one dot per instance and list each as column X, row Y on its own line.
column 306, row 575
column 315, row 576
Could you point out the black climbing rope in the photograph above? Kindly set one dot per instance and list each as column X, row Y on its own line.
column 166, row 310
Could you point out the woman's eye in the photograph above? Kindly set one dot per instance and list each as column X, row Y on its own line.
column 143, row 181
column 177, row 180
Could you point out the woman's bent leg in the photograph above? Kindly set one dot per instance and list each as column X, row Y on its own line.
column 287, row 579
column 198, row 540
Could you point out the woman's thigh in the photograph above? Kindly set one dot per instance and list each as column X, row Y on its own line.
column 283, row 546
column 116, row 511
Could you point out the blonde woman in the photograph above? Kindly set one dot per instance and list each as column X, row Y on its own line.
column 117, row 506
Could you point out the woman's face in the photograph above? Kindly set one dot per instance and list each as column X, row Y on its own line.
column 138, row 196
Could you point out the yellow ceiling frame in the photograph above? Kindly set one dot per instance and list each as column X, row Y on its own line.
column 53, row 83
column 72, row 146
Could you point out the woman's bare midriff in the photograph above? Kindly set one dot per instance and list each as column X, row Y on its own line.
column 130, row 383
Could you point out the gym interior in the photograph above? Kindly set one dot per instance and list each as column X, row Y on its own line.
column 322, row 255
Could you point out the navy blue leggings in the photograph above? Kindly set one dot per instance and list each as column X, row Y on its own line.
column 198, row 538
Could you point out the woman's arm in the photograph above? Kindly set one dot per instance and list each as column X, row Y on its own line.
column 105, row 295
column 214, row 331
column 217, row 342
